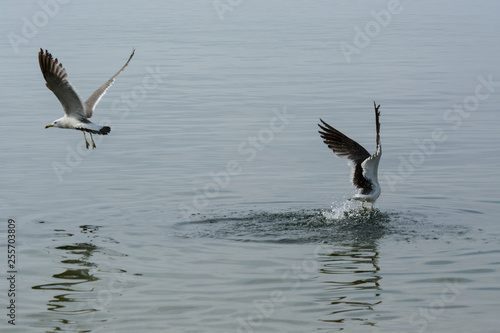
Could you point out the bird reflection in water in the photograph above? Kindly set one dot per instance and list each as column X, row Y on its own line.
column 350, row 274
column 77, row 293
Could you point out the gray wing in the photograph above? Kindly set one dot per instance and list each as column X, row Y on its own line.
column 92, row 101
column 345, row 147
column 55, row 77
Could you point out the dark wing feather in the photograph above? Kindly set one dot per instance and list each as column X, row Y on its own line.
column 55, row 75
column 342, row 145
column 377, row 123
column 345, row 147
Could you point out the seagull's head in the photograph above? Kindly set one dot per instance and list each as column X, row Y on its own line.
column 54, row 124
column 57, row 123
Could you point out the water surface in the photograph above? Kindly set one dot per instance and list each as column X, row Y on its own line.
column 213, row 205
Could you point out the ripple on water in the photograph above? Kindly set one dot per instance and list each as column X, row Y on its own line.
column 312, row 226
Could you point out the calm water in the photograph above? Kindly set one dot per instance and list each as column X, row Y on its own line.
column 214, row 206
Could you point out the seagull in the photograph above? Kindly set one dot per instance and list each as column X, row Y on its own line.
column 364, row 165
column 76, row 114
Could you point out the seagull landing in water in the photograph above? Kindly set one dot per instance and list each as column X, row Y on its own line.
column 76, row 115
column 364, row 165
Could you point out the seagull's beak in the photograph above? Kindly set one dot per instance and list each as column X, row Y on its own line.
column 49, row 125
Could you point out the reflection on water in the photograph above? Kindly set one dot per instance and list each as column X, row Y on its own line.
column 351, row 277
column 85, row 286
column 348, row 259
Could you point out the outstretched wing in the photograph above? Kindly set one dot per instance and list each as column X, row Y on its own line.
column 55, row 77
column 92, row 101
column 377, row 123
column 342, row 145
column 345, row 147
column 370, row 165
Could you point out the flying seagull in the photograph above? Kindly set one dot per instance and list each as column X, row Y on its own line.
column 364, row 165
column 76, row 114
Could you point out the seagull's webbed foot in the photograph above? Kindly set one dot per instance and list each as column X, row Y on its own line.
column 93, row 144
column 87, row 145
column 363, row 205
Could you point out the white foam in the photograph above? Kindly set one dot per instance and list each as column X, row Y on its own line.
column 339, row 210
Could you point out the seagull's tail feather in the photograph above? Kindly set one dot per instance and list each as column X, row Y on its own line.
column 105, row 130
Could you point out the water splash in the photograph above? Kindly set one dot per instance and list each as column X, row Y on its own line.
column 346, row 222
column 350, row 211
column 339, row 210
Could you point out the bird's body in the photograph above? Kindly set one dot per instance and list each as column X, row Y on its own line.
column 76, row 114
column 364, row 166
